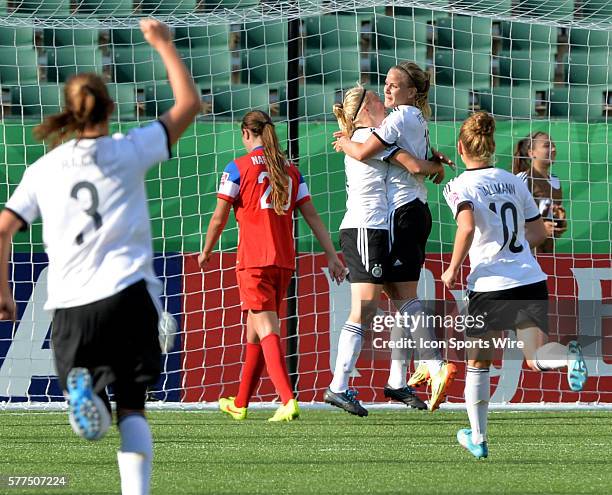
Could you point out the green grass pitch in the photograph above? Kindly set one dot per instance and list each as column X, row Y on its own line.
column 393, row 451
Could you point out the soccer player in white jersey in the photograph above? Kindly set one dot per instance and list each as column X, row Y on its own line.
column 497, row 222
column 406, row 93
column 90, row 193
column 364, row 238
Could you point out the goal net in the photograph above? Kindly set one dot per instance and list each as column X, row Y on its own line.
column 536, row 65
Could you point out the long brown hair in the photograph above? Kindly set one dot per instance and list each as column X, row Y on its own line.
column 521, row 161
column 347, row 112
column 260, row 124
column 87, row 103
column 420, row 79
column 477, row 135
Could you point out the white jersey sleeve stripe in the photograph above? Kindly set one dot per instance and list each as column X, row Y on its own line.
column 303, row 192
column 229, row 189
column 229, row 185
column 523, row 176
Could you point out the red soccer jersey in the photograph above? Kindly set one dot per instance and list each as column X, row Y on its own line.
column 265, row 238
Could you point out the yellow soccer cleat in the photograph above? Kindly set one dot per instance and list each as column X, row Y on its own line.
column 420, row 376
column 440, row 383
column 228, row 406
column 288, row 412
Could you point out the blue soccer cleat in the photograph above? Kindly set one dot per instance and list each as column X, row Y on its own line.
column 88, row 415
column 577, row 372
column 464, row 437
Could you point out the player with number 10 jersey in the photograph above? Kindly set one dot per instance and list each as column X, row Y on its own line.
column 497, row 223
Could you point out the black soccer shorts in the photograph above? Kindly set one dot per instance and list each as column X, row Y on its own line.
column 116, row 339
column 366, row 254
column 509, row 308
column 410, row 226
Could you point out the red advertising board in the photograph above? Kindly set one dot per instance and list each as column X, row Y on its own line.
column 213, row 332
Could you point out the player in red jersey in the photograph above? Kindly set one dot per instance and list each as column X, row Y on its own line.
column 264, row 189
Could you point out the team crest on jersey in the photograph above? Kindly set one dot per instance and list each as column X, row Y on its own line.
column 377, row 271
column 453, row 197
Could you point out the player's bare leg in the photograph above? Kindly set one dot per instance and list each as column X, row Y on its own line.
column 364, row 303
column 267, row 327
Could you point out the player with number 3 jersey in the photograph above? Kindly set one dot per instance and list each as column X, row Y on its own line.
column 264, row 189
column 90, row 193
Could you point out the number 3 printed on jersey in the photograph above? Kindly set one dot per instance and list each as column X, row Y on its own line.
column 264, row 202
column 92, row 211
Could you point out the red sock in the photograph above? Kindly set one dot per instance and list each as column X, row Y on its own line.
column 277, row 369
column 251, row 371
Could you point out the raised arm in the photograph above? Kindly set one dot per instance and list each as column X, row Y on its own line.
column 9, row 225
column 463, row 242
column 215, row 228
column 337, row 269
column 186, row 98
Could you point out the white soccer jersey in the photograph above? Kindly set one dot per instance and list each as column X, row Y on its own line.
column 91, row 196
column 366, row 203
column 500, row 257
column 406, row 128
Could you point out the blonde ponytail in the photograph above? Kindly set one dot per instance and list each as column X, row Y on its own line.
column 347, row 112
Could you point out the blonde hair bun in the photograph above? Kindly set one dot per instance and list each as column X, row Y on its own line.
column 477, row 136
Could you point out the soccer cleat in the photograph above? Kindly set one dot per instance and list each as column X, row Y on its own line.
column 440, row 383
column 577, row 372
column 228, row 406
column 86, row 417
column 287, row 412
column 464, row 437
column 405, row 395
column 420, row 376
column 345, row 400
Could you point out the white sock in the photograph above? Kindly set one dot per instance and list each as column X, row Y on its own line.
column 434, row 366
column 398, row 367
column 136, row 455
column 397, row 373
column 423, row 333
column 551, row 356
column 349, row 347
column 477, row 394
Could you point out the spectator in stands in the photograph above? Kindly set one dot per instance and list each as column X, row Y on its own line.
column 533, row 157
